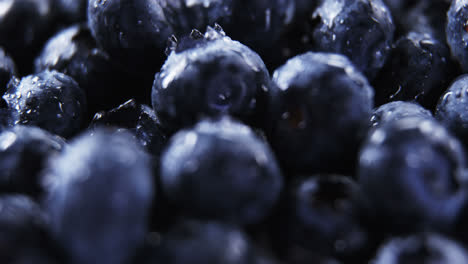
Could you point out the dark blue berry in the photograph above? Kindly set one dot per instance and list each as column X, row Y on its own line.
column 71, row 10
column 206, row 242
column 397, row 110
column 360, row 29
column 210, row 75
column 23, row 153
column 221, row 170
column 73, row 51
column 24, row 237
column 138, row 119
column 412, row 168
column 421, row 248
column 452, row 108
column 99, row 191
column 7, row 70
column 419, row 69
column 319, row 113
column 50, row 100
column 457, row 31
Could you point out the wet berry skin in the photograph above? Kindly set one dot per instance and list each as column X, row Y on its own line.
column 457, row 32
column 200, row 242
column 74, row 52
column 413, row 168
column 360, row 29
column 136, row 118
column 24, row 25
column 221, row 170
column 7, row 70
column 319, row 113
column 419, row 69
column 421, row 248
column 24, row 237
column 50, row 100
column 23, row 153
column 98, row 195
column 397, row 110
column 207, row 76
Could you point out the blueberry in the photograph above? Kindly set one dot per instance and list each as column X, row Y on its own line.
column 206, row 242
column 210, row 75
column 74, row 52
column 397, row 110
column 452, row 107
column 23, row 233
column 23, row 28
column 457, row 32
column 319, row 113
column 99, row 191
column 138, row 119
column 7, row 70
column 71, row 10
column 323, row 217
column 419, row 69
column 23, row 152
column 50, row 100
column 220, row 170
column 421, row 248
column 134, row 33
column 360, row 29
column 412, row 168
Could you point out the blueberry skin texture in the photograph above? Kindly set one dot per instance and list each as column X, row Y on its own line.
column 322, row 214
column 207, row 76
column 50, row 100
column 412, row 168
column 360, row 29
column 397, row 110
column 452, row 108
column 23, row 153
column 319, row 113
column 138, row 119
column 7, row 70
column 421, row 248
column 24, row 25
column 99, row 191
column 205, row 242
column 419, row 69
column 24, row 237
column 74, row 52
column 221, row 170
column 457, row 33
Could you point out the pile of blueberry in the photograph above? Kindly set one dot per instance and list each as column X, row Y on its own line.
column 233, row 131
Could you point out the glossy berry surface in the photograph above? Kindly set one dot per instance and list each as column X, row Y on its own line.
column 421, row 162
column 23, row 153
column 360, row 29
column 208, row 75
column 99, row 191
column 138, row 119
column 319, row 112
column 452, row 108
column 397, row 110
column 419, row 69
column 74, row 52
column 457, row 32
column 7, row 70
column 421, row 248
column 221, row 170
column 50, row 100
